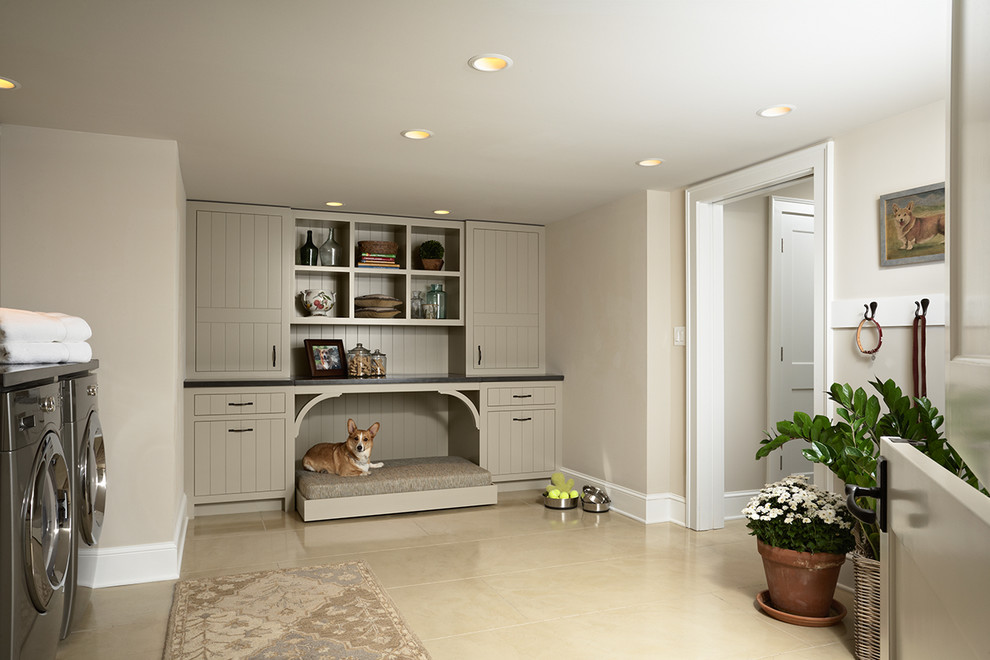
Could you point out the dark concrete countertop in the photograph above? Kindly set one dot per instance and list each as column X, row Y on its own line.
column 389, row 380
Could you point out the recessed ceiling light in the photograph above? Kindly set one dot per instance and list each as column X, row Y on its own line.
column 417, row 134
column 442, row 212
column 490, row 63
column 649, row 162
column 335, row 203
column 8, row 83
column 776, row 110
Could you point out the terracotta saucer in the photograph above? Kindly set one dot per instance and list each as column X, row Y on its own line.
column 763, row 600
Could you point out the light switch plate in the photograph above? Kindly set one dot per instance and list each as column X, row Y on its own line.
column 680, row 335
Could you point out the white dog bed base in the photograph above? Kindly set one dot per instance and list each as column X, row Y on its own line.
column 403, row 485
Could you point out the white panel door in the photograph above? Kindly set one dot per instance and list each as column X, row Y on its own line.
column 792, row 325
column 936, row 555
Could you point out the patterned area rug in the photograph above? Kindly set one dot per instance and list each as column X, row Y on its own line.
column 332, row 611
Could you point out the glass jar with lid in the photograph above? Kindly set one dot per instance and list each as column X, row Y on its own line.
column 359, row 362
column 437, row 296
column 377, row 364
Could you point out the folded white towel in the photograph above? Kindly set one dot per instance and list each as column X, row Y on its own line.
column 18, row 325
column 33, row 352
column 79, row 351
column 47, row 352
column 76, row 329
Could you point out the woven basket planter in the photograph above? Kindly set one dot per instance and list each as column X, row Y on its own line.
column 866, row 634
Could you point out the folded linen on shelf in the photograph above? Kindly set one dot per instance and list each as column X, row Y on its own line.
column 76, row 329
column 18, row 325
column 47, row 352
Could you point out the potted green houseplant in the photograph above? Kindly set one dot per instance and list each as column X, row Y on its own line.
column 431, row 254
column 803, row 534
column 850, row 447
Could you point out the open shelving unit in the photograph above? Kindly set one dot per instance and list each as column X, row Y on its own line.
column 349, row 280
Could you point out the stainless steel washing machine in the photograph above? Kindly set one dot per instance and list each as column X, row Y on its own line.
column 35, row 521
column 86, row 453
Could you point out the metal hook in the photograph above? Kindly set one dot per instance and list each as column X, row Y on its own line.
column 921, row 308
column 871, row 311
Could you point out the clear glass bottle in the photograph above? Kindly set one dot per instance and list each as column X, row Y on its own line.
column 416, row 305
column 330, row 251
column 308, row 253
column 437, row 296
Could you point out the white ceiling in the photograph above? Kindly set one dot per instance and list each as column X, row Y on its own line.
column 299, row 102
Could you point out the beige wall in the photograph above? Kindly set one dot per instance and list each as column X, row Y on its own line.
column 746, row 238
column 89, row 225
column 899, row 153
column 615, row 280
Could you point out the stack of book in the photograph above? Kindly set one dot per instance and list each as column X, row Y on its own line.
column 377, row 260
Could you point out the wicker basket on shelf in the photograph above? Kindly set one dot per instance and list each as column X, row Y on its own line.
column 378, row 247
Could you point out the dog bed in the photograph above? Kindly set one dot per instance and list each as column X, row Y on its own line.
column 402, row 485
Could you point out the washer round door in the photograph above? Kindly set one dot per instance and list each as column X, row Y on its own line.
column 47, row 522
column 93, row 480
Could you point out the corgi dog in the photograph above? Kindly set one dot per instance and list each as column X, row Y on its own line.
column 912, row 229
column 350, row 458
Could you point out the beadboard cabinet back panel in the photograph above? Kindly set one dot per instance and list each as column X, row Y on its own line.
column 412, row 424
column 410, row 349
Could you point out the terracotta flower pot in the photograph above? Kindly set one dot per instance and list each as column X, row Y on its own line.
column 432, row 264
column 801, row 583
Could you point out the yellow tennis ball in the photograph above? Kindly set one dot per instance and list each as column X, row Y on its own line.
column 554, row 494
column 574, row 494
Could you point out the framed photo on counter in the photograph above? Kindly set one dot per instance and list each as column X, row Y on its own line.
column 327, row 358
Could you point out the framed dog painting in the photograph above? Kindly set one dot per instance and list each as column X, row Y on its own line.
column 912, row 226
column 326, row 357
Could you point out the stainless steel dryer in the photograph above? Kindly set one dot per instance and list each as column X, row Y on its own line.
column 86, row 454
column 35, row 522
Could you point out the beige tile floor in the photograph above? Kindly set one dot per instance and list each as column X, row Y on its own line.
column 515, row 580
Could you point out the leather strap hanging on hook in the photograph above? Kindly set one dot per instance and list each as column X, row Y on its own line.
column 869, row 317
column 919, row 328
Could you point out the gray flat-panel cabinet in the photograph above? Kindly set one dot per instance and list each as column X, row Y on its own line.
column 506, row 308
column 239, row 259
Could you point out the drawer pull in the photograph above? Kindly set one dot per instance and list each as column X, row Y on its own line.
column 239, row 430
column 522, row 396
column 248, row 403
column 521, row 419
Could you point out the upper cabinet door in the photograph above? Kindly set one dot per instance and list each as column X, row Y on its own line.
column 506, row 306
column 238, row 276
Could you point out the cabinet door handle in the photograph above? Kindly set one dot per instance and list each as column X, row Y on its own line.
column 522, row 396
column 521, row 419
column 239, row 430
column 249, row 403
column 479, row 355
column 273, row 356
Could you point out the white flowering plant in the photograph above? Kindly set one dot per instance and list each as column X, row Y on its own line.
column 796, row 515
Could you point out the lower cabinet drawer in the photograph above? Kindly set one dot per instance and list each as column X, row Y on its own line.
column 238, row 456
column 521, row 441
column 521, row 396
column 247, row 403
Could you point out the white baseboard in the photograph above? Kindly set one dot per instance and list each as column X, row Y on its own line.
column 735, row 501
column 647, row 508
column 134, row 564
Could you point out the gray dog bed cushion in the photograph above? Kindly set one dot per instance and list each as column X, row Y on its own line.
column 400, row 475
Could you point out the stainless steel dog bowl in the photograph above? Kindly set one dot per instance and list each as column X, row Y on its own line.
column 551, row 503
column 595, row 507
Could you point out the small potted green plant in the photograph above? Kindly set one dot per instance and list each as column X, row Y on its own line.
column 431, row 254
column 803, row 534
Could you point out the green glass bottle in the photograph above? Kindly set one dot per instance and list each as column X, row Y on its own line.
column 309, row 254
